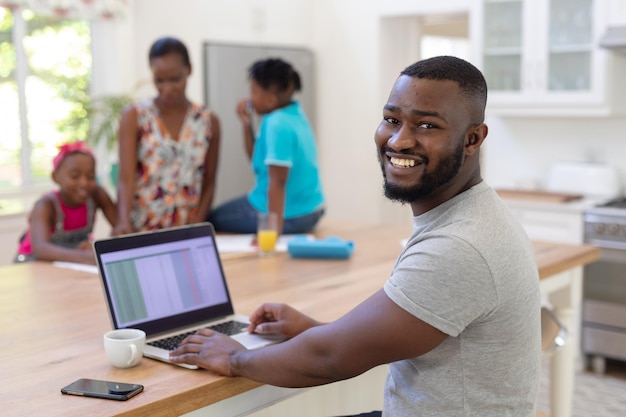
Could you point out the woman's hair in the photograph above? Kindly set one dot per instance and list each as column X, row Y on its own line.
column 275, row 73
column 168, row 45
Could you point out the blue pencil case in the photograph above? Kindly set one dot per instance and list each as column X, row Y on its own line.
column 332, row 247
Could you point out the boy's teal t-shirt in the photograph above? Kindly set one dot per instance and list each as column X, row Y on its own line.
column 286, row 139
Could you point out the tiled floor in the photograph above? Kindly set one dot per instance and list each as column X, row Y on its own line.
column 595, row 395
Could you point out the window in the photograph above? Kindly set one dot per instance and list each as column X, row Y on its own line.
column 45, row 65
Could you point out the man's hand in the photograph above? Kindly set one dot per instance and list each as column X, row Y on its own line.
column 209, row 350
column 280, row 319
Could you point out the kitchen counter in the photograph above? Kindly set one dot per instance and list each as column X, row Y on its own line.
column 552, row 259
column 526, row 201
column 557, row 219
column 578, row 206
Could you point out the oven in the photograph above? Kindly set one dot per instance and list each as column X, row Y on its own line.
column 604, row 290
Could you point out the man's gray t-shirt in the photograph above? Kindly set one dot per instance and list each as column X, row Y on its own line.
column 469, row 270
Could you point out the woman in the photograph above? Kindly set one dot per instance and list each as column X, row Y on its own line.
column 168, row 150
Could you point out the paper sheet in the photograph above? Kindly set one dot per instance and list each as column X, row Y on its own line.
column 243, row 243
column 79, row 267
column 227, row 244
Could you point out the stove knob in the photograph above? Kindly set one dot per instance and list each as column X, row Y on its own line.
column 599, row 227
column 613, row 229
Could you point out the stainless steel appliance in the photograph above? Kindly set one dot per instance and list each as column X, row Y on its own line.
column 604, row 295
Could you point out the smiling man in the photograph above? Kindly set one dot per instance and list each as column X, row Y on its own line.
column 458, row 319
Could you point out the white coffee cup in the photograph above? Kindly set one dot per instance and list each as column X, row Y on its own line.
column 124, row 347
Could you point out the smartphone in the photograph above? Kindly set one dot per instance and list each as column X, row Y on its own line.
column 120, row 391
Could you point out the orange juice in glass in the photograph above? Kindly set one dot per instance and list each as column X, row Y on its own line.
column 267, row 233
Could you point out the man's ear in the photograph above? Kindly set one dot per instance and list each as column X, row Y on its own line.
column 475, row 138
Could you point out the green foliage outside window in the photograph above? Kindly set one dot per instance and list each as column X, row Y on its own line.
column 56, row 88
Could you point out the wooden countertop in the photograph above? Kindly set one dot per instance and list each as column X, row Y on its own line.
column 553, row 258
column 52, row 321
column 538, row 195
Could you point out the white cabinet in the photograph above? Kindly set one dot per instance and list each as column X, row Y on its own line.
column 551, row 225
column 551, row 222
column 542, row 57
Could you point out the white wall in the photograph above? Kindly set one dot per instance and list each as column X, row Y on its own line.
column 617, row 12
column 519, row 151
column 349, row 107
column 279, row 22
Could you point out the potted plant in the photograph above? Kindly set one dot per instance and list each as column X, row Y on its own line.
column 104, row 115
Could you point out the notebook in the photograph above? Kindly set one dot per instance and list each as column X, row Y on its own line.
column 169, row 283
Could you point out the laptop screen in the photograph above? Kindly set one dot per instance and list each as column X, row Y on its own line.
column 163, row 280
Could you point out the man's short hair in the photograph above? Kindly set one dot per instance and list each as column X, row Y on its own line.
column 471, row 81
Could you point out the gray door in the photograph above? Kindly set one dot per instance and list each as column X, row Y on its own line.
column 225, row 83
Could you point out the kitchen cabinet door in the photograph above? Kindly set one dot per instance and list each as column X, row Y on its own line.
column 551, row 225
column 542, row 57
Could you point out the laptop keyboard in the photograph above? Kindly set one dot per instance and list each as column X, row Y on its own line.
column 228, row 328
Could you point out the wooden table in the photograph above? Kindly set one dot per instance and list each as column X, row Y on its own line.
column 52, row 321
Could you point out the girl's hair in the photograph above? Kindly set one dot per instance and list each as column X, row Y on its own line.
column 70, row 149
column 167, row 45
column 275, row 73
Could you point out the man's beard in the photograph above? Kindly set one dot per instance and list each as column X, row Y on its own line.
column 448, row 169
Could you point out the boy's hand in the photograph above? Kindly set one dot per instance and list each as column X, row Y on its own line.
column 243, row 111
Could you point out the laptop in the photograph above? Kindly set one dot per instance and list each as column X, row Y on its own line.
column 170, row 283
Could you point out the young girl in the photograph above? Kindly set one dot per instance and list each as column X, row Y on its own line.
column 61, row 222
column 283, row 156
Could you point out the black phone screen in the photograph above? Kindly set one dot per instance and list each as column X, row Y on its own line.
column 102, row 389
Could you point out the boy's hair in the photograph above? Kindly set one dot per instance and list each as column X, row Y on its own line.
column 470, row 79
column 167, row 45
column 68, row 149
column 275, row 73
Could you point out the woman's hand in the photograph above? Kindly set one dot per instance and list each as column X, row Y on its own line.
column 122, row 228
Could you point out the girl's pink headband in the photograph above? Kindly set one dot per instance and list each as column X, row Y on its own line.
column 70, row 148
